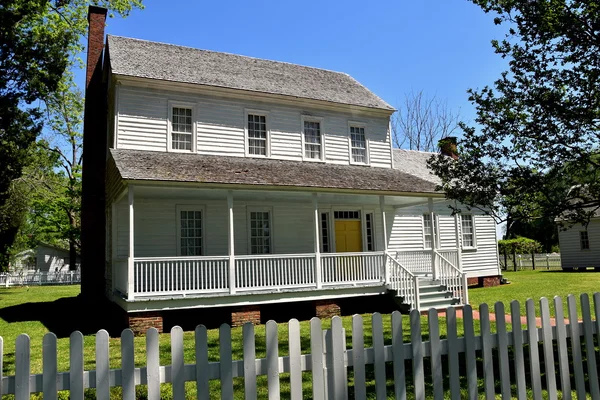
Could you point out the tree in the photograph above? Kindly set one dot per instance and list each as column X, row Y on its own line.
column 532, row 154
column 421, row 121
column 40, row 40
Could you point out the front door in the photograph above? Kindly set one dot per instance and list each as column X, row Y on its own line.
column 348, row 236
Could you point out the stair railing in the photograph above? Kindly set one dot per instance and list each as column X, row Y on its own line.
column 403, row 282
column 452, row 278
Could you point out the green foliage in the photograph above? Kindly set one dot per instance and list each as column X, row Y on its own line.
column 520, row 245
column 533, row 153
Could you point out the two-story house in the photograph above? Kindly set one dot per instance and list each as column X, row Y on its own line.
column 235, row 181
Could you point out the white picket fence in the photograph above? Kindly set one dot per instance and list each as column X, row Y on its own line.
column 524, row 261
column 328, row 359
column 31, row 278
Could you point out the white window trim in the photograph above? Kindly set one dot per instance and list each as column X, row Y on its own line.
column 181, row 104
column 250, row 111
column 423, row 231
column 190, row 207
column 249, row 210
column 357, row 124
column 462, row 238
column 581, row 242
column 320, row 120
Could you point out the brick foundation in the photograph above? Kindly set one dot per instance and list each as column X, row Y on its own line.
column 327, row 309
column 141, row 322
column 473, row 281
column 241, row 315
column 489, row 281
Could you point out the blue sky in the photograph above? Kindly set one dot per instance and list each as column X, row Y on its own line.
column 392, row 47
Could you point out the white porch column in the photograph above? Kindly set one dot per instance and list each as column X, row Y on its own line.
column 434, row 238
column 386, row 272
column 316, row 235
column 231, row 242
column 130, row 259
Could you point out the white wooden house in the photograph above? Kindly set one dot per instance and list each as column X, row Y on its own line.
column 42, row 258
column 580, row 245
column 236, row 181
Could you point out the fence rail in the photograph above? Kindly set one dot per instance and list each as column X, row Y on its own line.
column 31, row 278
column 328, row 358
column 526, row 261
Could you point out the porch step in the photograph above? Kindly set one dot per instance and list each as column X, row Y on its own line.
column 432, row 294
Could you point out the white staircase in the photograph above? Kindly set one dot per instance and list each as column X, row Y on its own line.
column 432, row 294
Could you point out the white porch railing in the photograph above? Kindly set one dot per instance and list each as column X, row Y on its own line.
column 180, row 275
column 274, row 271
column 416, row 261
column 450, row 275
column 353, row 268
column 404, row 282
column 30, row 278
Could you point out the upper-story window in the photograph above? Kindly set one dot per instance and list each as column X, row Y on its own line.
column 313, row 138
column 182, row 128
column 257, row 133
column 358, row 144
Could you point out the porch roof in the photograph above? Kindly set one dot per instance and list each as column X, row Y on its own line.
column 178, row 167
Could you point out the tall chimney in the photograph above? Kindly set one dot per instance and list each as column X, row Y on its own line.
column 447, row 147
column 94, row 164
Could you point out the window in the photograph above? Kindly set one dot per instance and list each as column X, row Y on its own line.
column 468, row 231
column 313, row 140
column 370, row 232
column 190, row 231
column 584, row 240
column 325, row 232
column 257, row 134
column 260, row 232
column 358, row 144
column 346, row 214
column 181, row 128
column 427, row 231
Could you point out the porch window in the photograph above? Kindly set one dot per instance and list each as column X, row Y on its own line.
column 346, row 214
column 427, row 231
column 190, row 232
column 468, row 230
column 260, row 232
column 358, row 144
column 325, row 232
column 370, row 232
column 584, row 240
column 257, row 134
column 313, row 140
column 181, row 128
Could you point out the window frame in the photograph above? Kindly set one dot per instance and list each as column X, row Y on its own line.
column 320, row 120
column 364, row 214
column 462, row 233
column 261, row 113
column 329, row 230
column 249, row 211
column 581, row 240
column 357, row 124
column 191, row 207
column 181, row 104
column 432, row 230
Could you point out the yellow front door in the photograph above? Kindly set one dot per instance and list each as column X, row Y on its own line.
column 348, row 237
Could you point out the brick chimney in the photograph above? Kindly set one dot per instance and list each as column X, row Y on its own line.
column 93, row 228
column 447, row 147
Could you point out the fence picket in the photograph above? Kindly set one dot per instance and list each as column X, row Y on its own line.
column 201, row 349
column 1, row 365
column 316, row 351
column 398, row 354
column 548, row 349
column 417, row 354
column 338, row 367
column 378, row 350
column 152, row 364
column 102, row 366
column 503, row 365
column 515, row 316
column 453, row 365
column 225, row 362
column 177, row 378
column 576, row 347
column 590, row 353
column 295, row 352
column 486, row 351
column 249, row 361
column 358, row 357
column 127, row 365
column 272, row 360
column 50, row 366
column 76, row 365
column 470, row 355
column 561, row 344
column 22, row 367
column 436, row 354
column 534, row 356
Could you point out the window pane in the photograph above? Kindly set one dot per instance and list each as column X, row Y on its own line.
column 358, row 144
column 257, row 135
column 191, row 233
column 312, row 140
column 260, row 236
column 467, row 230
column 181, row 127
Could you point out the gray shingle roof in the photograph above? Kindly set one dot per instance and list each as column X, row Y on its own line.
column 178, row 167
column 415, row 163
column 141, row 58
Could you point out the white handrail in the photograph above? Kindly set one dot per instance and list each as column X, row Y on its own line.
column 404, row 282
column 452, row 278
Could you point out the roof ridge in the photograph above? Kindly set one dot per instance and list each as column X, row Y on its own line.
column 417, row 151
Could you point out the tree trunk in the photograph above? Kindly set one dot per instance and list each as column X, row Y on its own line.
column 505, row 260
column 514, row 260
column 72, row 245
column 533, row 260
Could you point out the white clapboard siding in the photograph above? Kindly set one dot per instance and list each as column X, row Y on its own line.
column 328, row 357
column 406, row 232
column 570, row 246
column 220, row 126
